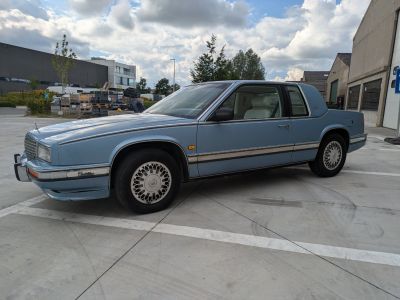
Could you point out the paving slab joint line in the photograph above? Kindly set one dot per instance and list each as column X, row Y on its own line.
column 139, row 240
column 354, row 172
column 314, row 251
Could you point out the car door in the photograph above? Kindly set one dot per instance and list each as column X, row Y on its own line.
column 258, row 136
column 305, row 130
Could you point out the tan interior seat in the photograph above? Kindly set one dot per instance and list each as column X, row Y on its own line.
column 263, row 107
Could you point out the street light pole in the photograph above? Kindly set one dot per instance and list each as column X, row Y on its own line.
column 173, row 81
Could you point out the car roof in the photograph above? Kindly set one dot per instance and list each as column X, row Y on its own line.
column 248, row 82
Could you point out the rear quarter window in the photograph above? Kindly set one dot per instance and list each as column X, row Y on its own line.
column 297, row 102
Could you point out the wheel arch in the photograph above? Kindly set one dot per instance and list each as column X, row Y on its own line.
column 170, row 146
column 339, row 130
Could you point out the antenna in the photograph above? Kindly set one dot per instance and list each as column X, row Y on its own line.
column 37, row 127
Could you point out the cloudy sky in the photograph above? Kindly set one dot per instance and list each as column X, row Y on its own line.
column 289, row 35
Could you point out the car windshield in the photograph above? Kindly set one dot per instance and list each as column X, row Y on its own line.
column 189, row 102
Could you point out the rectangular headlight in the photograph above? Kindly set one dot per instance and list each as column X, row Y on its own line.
column 44, row 153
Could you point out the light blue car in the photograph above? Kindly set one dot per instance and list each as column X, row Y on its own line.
column 201, row 130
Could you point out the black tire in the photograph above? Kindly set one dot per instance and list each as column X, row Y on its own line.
column 330, row 168
column 140, row 197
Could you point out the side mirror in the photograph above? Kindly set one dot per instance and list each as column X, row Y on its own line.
column 222, row 114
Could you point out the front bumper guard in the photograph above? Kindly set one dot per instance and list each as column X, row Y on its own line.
column 21, row 172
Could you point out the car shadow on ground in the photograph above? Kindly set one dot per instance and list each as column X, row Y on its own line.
column 240, row 184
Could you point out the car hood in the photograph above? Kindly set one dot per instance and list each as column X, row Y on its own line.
column 63, row 132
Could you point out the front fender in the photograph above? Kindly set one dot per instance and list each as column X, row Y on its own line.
column 141, row 140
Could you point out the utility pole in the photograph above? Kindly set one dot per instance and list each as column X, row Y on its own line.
column 173, row 81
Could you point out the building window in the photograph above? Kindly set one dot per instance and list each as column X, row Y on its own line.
column 118, row 69
column 354, row 96
column 121, row 80
column 371, row 95
column 131, row 82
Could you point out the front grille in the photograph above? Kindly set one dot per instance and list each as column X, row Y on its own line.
column 30, row 147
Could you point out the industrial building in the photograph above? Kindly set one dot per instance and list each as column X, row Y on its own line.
column 19, row 66
column 375, row 59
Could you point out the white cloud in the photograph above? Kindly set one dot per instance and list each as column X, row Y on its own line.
column 327, row 28
column 306, row 38
column 194, row 13
column 293, row 74
column 89, row 7
column 27, row 31
column 31, row 7
column 121, row 14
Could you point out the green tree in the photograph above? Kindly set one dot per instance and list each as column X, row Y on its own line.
column 204, row 67
column 163, row 87
column 63, row 61
column 141, row 86
column 247, row 65
column 222, row 67
column 211, row 67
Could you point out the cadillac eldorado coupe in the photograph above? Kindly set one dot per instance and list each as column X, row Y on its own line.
column 199, row 131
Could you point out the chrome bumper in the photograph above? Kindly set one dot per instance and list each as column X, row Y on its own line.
column 21, row 172
column 362, row 138
column 28, row 171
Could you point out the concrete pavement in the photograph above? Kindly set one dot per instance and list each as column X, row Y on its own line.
column 274, row 234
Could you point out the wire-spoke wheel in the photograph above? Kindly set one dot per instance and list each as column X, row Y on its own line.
column 331, row 156
column 151, row 182
column 147, row 180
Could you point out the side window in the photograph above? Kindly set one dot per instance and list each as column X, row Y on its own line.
column 255, row 102
column 299, row 108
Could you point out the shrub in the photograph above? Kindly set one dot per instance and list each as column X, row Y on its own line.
column 24, row 97
column 147, row 103
column 7, row 104
column 33, row 99
column 39, row 106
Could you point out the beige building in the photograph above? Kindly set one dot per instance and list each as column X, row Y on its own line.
column 370, row 82
column 338, row 78
column 316, row 79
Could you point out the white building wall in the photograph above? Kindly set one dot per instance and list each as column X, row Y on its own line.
column 392, row 105
column 116, row 71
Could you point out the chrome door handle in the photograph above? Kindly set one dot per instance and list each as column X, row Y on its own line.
column 284, row 126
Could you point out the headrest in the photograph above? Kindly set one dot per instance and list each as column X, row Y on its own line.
column 259, row 101
column 264, row 100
